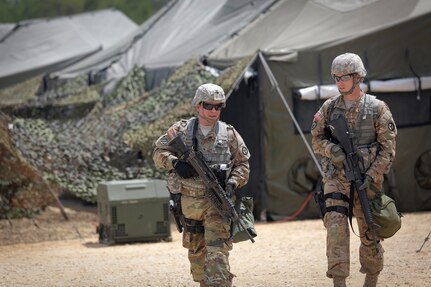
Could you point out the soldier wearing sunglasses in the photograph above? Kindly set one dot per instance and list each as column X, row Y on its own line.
column 373, row 132
column 206, row 234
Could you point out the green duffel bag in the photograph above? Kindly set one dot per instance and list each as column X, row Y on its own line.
column 244, row 208
column 385, row 214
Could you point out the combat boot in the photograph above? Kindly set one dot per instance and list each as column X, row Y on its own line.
column 371, row 280
column 339, row 281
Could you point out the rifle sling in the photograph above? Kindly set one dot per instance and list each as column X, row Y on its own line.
column 351, row 203
column 194, row 139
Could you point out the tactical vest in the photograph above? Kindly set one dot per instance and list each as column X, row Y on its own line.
column 218, row 157
column 363, row 133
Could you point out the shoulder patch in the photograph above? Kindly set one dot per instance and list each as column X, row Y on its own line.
column 391, row 126
column 164, row 140
column 317, row 117
column 244, row 150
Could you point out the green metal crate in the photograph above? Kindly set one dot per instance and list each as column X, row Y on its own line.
column 133, row 210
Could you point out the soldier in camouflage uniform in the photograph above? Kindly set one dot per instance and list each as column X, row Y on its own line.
column 373, row 133
column 207, row 234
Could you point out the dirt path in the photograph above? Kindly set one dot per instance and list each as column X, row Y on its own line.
column 285, row 254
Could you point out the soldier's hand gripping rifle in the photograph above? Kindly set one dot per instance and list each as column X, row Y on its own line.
column 214, row 192
column 340, row 132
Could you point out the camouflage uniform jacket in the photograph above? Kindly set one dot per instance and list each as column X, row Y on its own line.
column 378, row 155
column 239, row 171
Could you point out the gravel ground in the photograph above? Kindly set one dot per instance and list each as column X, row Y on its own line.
column 49, row 251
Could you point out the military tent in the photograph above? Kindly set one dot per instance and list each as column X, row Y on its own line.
column 43, row 45
column 296, row 43
column 179, row 31
column 5, row 29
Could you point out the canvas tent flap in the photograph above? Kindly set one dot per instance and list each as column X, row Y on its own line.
column 105, row 58
column 108, row 26
column 43, row 46
column 188, row 28
column 5, row 29
column 296, row 25
column 195, row 27
column 395, row 50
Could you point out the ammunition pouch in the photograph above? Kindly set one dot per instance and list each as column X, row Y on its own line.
column 194, row 226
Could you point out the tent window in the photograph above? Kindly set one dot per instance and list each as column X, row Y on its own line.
column 406, row 108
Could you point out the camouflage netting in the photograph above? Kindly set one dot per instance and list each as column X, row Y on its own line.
column 114, row 139
column 71, row 99
column 143, row 138
column 21, row 93
column 22, row 187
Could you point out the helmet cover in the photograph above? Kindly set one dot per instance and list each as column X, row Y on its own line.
column 348, row 63
column 209, row 93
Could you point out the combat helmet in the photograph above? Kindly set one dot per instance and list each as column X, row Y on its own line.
column 348, row 63
column 209, row 93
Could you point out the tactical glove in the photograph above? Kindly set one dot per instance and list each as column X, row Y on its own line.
column 184, row 169
column 337, row 156
column 366, row 183
column 230, row 189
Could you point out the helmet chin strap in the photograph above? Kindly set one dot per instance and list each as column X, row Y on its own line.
column 207, row 119
column 355, row 83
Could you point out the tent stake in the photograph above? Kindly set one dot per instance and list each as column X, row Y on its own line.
column 425, row 240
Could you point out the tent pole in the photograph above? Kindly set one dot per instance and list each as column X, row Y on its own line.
column 274, row 83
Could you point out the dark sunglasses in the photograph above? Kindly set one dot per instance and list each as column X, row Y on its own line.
column 209, row 107
column 343, row 78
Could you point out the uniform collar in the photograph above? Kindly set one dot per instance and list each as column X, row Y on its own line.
column 340, row 102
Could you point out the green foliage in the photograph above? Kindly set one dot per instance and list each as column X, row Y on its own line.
column 12, row 11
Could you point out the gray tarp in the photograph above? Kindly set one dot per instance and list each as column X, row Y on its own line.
column 183, row 29
column 108, row 26
column 5, row 28
column 40, row 46
column 294, row 25
column 395, row 46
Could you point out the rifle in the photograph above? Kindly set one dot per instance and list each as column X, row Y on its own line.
column 340, row 132
column 214, row 192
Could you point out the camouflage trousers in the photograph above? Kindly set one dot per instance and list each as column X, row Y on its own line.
column 338, row 234
column 209, row 251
